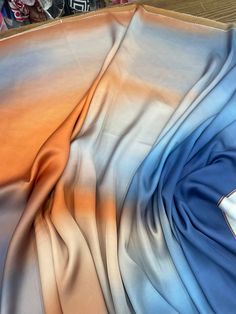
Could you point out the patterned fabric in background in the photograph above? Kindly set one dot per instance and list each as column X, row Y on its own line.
column 15, row 13
column 20, row 10
column 36, row 13
column 3, row 26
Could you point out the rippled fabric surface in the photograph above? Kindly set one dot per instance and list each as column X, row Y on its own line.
column 118, row 160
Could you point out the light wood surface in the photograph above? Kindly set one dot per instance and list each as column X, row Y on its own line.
column 218, row 10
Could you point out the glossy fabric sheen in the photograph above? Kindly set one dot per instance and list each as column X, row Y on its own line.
column 117, row 172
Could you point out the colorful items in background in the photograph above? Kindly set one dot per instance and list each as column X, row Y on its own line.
column 20, row 10
column 15, row 13
column 3, row 26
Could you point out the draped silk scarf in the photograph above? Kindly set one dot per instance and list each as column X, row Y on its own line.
column 117, row 165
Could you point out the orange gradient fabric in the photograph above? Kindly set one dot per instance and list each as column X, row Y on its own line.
column 83, row 101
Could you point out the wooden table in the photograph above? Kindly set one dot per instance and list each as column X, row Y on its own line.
column 218, row 10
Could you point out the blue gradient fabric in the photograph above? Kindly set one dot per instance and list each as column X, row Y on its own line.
column 118, row 165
